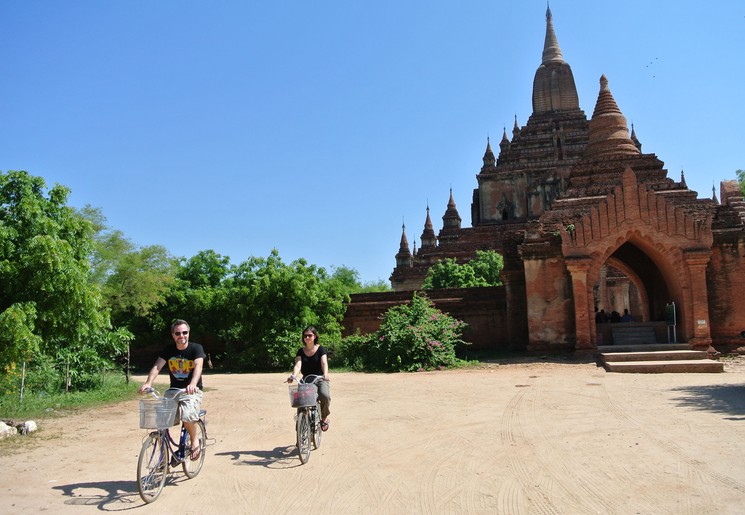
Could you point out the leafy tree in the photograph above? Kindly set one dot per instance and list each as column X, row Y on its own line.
column 270, row 302
column 449, row 274
column 139, row 282
column 133, row 280
column 484, row 270
column 199, row 296
column 487, row 266
column 741, row 180
column 350, row 279
column 48, row 301
column 207, row 269
column 412, row 337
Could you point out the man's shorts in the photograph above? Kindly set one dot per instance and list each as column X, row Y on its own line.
column 189, row 405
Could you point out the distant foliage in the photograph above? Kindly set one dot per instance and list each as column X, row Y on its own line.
column 483, row 270
column 741, row 181
column 51, row 313
column 412, row 337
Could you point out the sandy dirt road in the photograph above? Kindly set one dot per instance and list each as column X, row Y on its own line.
column 533, row 438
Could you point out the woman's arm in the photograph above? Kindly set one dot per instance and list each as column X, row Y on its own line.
column 325, row 367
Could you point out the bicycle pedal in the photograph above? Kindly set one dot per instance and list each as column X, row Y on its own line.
column 175, row 460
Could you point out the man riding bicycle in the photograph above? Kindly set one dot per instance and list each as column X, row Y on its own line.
column 185, row 361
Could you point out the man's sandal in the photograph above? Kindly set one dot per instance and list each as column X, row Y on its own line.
column 324, row 425
column 195, row 453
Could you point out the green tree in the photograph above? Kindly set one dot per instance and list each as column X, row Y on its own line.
column 198, row 295
column 483, row 270
column 412, row 337
column 741, row 181
column 350, row 279
column 269, row 302
column 487, row 266
column 139, row 282
column 449, row 274
column 48, row 300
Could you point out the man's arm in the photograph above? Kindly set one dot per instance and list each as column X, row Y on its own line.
column 152, row 374
column 195, row 375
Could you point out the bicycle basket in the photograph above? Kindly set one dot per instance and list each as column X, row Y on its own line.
column 158, row 413
column 302, row 395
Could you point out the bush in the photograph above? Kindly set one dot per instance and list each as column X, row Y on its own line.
column 412, row 337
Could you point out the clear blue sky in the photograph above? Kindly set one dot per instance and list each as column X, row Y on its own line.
column 317, row 128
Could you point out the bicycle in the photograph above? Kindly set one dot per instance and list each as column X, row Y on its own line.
column 304, row 397
column 159, row 450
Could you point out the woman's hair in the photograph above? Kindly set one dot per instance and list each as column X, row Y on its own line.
column 311, row 329
column 178, row 322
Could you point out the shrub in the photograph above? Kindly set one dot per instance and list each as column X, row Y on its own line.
column 412, row 337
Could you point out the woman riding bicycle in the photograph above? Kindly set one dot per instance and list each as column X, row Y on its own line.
column 312, row 359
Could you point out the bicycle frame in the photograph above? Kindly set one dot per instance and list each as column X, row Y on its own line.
column 308, row 424
column 153, row 466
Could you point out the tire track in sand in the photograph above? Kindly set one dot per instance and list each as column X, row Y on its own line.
column 672, row 447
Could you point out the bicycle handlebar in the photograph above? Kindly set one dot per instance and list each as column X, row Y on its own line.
column 304, row 379
column 155, row 393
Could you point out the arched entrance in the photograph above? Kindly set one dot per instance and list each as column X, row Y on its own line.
column 630, row 280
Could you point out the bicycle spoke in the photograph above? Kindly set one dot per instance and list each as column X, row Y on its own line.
column 192, row 467
column 152, row 468
column 303, row 435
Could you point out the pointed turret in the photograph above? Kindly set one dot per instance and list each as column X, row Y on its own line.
column 553, row 84
column 505, row 143
column 714, row 194
column 609, row 134
column 450, row 223
column 489, row 160
column 428, row 235
column 551, row 50
column 636, row 141
column 683, row 178
column 515, row 130
column 403, row 257
column 451, row 219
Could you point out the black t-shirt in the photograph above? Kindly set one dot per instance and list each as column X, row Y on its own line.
column 311, row 364
column 181, row 363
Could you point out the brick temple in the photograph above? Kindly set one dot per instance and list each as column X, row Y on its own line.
column 585, row 222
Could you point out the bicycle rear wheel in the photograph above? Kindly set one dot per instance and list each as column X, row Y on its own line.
column 192, row 467
column 302, row 426
column 317, row 431
column 152, row 467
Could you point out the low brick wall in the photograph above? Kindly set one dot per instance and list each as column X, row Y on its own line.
column 483, row 309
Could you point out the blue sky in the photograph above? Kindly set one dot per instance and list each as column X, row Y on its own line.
column 318, row 128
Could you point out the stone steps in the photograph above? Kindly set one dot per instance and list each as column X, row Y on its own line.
column 656, row 359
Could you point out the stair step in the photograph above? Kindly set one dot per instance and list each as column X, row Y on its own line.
column 658, row 367
column 665, row 355
column 644, row 347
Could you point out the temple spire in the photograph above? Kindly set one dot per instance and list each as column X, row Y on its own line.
column 403, row 257
column 551, row 50
column 609, row 134
column 428, row 235
column 451, row 219
column 553, row 84
column 489, row 160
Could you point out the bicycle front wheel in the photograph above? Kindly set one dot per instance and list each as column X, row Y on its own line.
column 317, row 431
column 302, row 426
column 152, row 467
column 192, row 467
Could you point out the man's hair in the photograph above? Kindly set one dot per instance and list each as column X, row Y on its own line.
column 178, row 322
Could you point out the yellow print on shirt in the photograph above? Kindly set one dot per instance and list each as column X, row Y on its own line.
column 180, row 367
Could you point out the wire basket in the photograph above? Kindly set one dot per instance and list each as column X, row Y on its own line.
column 158, row 413
column 303, row 395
